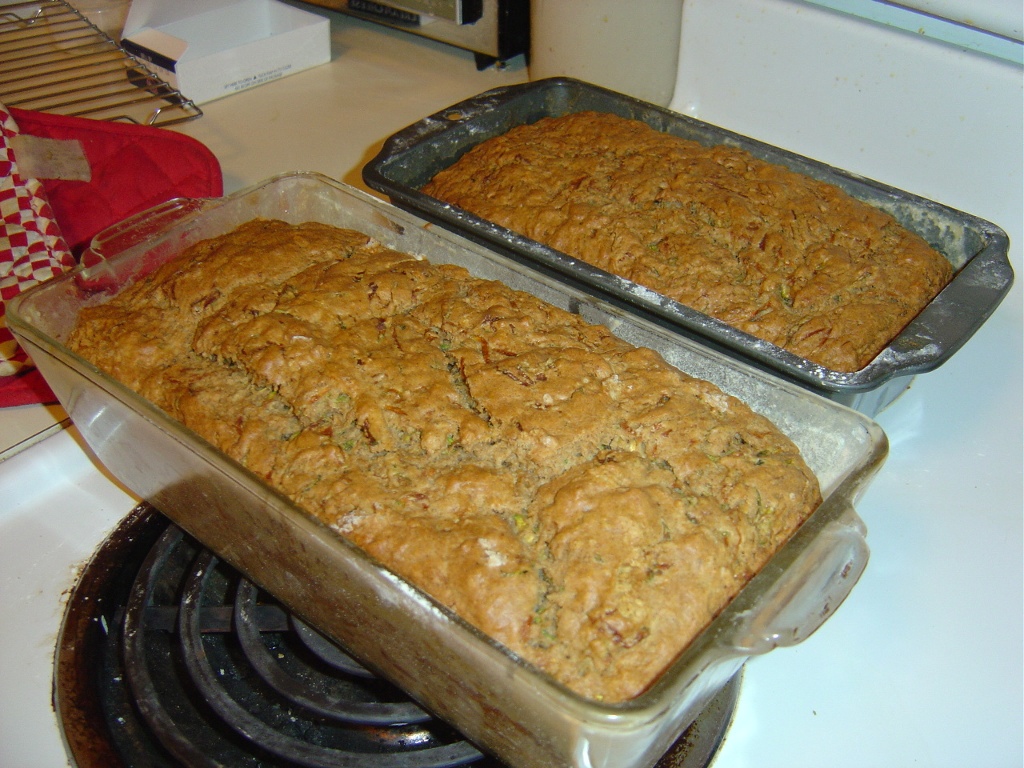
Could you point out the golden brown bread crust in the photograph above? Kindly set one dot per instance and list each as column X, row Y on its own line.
column 784, row 257
column 578, row 499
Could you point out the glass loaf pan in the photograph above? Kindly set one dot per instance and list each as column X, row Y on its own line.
column 502, row 704
column 976, row 248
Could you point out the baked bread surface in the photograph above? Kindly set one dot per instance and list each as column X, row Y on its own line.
column 576, row 498
column 786, row 258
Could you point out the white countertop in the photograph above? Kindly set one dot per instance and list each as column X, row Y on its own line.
column 922, row 666
column 334, row 118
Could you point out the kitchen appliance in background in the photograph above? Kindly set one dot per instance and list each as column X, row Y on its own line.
column 494, row 30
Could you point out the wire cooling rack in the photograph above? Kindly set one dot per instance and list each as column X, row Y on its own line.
column 52, row 59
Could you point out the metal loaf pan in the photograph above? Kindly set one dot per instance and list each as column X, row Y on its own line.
column 505, row 706
column 976, row 248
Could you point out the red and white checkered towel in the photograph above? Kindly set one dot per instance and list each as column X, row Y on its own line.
column 93, row 174
column 32, row 248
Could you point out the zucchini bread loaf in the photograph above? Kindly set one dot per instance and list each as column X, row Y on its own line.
column 574, row 497
column 786, row 258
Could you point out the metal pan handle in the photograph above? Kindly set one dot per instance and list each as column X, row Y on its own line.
column 810, row 590
column 961, row 308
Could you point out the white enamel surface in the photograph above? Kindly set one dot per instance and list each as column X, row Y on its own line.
column 56, row 505
column 922, row 665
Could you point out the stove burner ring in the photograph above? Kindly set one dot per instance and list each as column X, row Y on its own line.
column 289, row 713
column 304, row 688
column 168, row 656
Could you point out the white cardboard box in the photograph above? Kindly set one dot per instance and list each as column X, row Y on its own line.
column 208, row 49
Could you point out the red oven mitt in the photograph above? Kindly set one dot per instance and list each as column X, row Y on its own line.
column 92, row 174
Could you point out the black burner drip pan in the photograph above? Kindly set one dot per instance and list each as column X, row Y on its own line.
column 168, row 657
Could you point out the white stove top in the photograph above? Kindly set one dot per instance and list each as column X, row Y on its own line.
column 923, row 664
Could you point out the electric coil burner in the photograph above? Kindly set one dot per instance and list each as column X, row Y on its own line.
column 169, row 657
